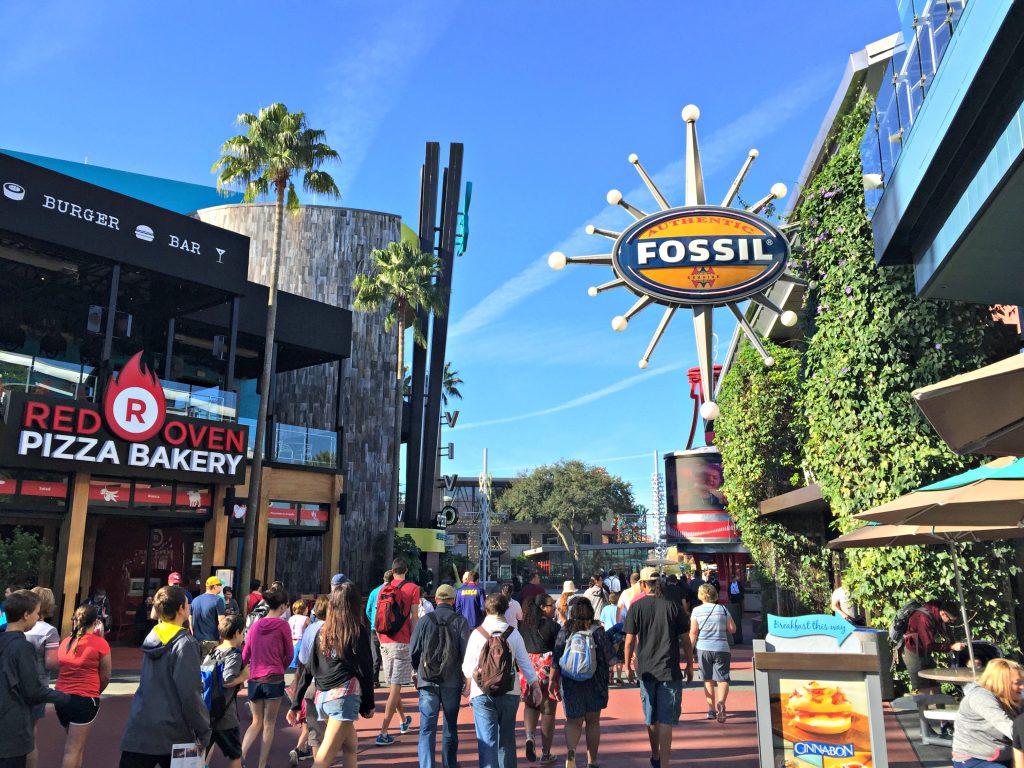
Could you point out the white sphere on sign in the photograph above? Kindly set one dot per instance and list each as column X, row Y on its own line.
column 753, row 153
column 614, row 197
column 788, row 318
column 590, row 229
column 690, row 113
column 619, row 323
column 643, row 363
column 710, row 411
column 769, row 361
column 592, row 291
column 557, row 260
column 779, row 190
column 633, row 158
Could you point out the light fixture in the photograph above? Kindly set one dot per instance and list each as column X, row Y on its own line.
column 873, row 181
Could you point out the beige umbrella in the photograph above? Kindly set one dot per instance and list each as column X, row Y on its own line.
column 872, row 535
column 981, row 411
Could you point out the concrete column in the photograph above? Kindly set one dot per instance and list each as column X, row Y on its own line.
column 72, row 542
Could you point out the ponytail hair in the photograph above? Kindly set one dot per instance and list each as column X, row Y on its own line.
column 86, row 616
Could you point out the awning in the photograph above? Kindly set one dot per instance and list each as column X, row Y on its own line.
column 981, row 411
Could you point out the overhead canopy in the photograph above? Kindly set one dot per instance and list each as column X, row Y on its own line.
column 873, row 535
column 981, row 411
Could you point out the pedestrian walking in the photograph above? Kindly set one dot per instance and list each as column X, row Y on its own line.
column 514, row 614
column 710, row 628
column 254, row 597
column 168, row 706
column 340, row 665
column 656, row 629
column 102, row 602
column 562, row 607
column 438, row 646
column 21, row 689
column 84, row 663
column 629, row 594
column 397, row 605
column 227, row 657
column 206, row 612
column 371, row 614
column 532, row 588
column 311, row 727
column 612, row 583
column 268, row 651
column 469, row 600
column 539, row 631
column 297, row 623
column 45, row 642
column 597, row 594
column 174, row 580
column 579, row 679
column 230, row 604
column 609, row 614
column 492, row 653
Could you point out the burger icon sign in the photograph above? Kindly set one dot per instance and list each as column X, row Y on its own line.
column 14, row 191
column 142, row 232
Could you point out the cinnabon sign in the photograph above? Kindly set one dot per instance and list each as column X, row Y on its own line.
column 131, row 435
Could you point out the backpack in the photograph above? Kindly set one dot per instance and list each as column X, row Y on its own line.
column 259, row 611
column 495, row 672
column 734, row 588
column 212, row 673
column 898, row 628
column 440, row 652
column 579, row 659
column 390, row 616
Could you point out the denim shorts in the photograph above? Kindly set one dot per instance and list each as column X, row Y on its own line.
column 345, row 709
column 662, row 700
column 262, row 691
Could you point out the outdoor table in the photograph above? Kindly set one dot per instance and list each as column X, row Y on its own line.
column 955, row 675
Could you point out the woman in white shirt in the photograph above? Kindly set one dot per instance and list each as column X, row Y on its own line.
column 494, row 715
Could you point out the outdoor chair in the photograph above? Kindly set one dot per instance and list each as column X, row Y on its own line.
column 934, row 711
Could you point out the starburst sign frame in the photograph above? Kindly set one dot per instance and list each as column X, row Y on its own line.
column 697, row 256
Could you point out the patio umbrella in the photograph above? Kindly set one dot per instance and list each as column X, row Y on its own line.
column 991, row 495
column 981, row 411
column 874, row 535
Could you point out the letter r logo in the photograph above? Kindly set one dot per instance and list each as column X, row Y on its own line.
column 135, row 410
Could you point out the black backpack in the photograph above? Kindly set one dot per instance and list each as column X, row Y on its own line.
column 440, row 652
column 898, row 628
column 390, row 616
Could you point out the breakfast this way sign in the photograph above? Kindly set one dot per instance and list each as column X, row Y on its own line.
column 818, row 693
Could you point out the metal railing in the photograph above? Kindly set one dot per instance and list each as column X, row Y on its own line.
column 306, row 446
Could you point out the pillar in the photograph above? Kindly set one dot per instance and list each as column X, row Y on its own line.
column 72, row 543
column 260, row 545
column 215, row 535
column 332, row 545
column 271, row 559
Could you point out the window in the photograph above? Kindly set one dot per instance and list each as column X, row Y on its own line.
column 519, row 538
column 550, row 538
column 586, row 538
column 462, row 538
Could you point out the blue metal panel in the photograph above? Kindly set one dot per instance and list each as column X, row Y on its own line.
column 177, row 196
column 921, row 155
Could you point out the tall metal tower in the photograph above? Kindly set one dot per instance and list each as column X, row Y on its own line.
column 657, row 511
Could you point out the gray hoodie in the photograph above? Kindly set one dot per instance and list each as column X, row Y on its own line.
column 168, row 707
column 983, row 729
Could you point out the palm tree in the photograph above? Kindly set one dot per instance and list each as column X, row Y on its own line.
column 276, row 146
column 401, row 280
column 450, row 384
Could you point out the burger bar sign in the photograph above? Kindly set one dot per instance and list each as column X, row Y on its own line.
column 130, row 435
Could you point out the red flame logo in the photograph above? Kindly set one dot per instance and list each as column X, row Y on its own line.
column 133, row 405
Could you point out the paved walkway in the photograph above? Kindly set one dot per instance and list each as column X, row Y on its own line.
column 623, row 741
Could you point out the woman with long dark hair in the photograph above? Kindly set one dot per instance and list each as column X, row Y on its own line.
column 539, row 631
column 84, row 663
column 582, row 688
column 342, row 668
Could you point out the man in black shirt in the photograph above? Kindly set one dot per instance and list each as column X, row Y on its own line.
column 655, row 629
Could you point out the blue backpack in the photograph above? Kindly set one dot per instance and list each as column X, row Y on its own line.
column 212, row 673
column 579, row 659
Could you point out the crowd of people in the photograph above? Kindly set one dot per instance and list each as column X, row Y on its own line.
column 516, row 645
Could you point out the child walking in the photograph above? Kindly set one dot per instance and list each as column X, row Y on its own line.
column 226, row 733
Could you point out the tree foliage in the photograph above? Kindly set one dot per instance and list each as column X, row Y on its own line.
column 23, row 556
column 568, row 495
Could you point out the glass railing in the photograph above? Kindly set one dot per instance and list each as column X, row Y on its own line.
column 905, row 86
column 306, row 446
column 43, row 376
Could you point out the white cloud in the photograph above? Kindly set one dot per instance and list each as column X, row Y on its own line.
column 576, row 402
column 727, row 144
column 366, row 82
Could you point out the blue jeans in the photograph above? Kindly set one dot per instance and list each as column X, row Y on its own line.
column 432, row 701
column 974, row 762
column 495, row 720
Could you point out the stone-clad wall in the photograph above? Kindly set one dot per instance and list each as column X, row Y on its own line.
column 323, row 250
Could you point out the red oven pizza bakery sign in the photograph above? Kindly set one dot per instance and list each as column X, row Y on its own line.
column 131, row 434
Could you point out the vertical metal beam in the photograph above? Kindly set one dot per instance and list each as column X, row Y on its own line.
column 108, row 336
column 233, row 341
column 703, row 331
column 414, row 456
column 169, row 351
column 339, row 418
column 439, row 331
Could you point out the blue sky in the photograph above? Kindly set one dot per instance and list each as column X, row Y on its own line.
column 549, row 100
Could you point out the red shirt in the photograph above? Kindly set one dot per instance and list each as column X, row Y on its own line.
column 80, row 666
column 409, row 597
column 252, row 600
